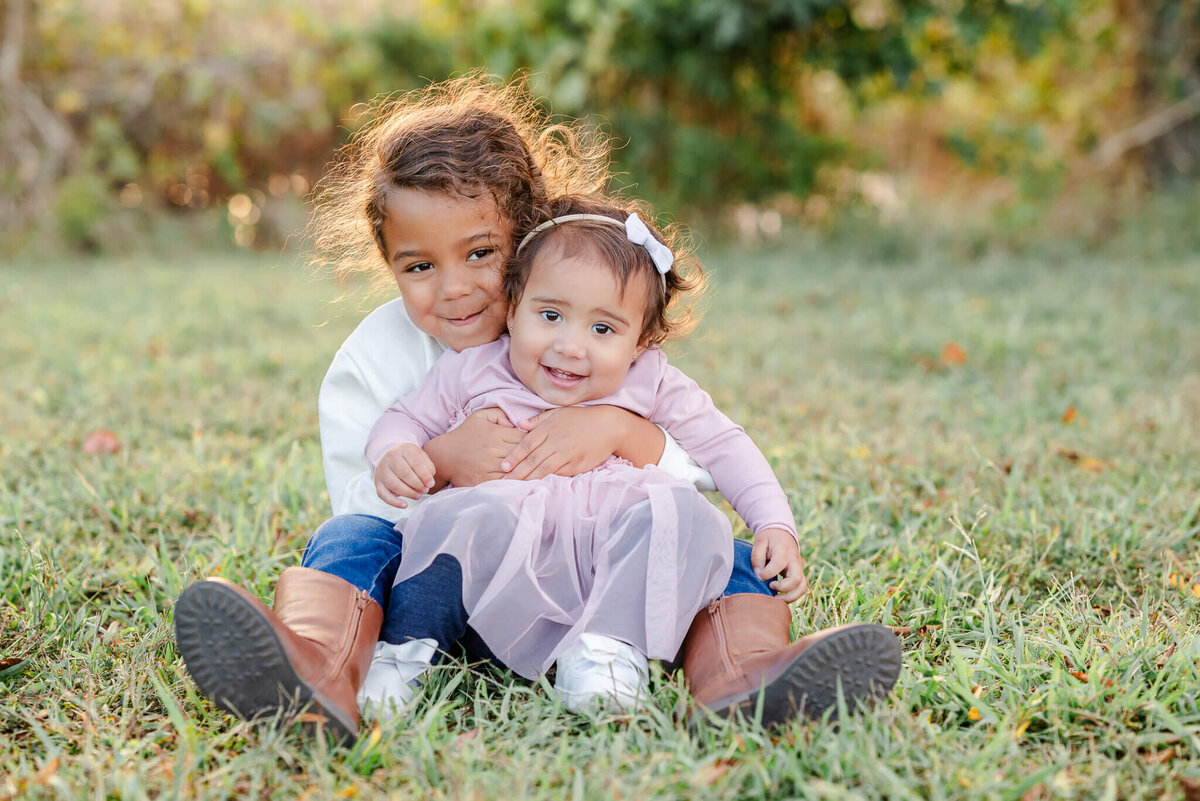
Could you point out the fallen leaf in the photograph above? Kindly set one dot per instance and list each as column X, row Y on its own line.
column 953, row 355
column 1082, row 676
column 974, row 714
column 101, row 441
column 375, row 736
column 1066, row 453
column 465, row 737
column 5, row 664
column 1069, row 415
column 711, row 774
column 1033, row 793
column 1020, row 730
column 1158, row 757
column 901, row 631
column 1094, row 465
column 1167, row 654
column 1191, row 788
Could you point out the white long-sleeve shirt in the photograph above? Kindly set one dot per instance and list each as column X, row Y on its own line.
column 385, row 357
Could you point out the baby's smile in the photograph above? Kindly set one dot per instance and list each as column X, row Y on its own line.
column 562, row 378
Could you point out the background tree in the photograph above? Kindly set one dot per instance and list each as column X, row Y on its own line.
column 803, row 106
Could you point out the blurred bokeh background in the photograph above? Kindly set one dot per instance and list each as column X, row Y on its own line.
column 989, row 123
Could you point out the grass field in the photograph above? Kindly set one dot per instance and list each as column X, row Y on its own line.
column 999, row 455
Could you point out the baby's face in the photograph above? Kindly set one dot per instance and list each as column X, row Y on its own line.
column 446, row 252
column 574, row 335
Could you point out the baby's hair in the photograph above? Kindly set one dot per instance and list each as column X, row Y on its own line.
column 666, row 316
column 469, row 136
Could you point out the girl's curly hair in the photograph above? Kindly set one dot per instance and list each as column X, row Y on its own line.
column 666, row 314
column 470, row 135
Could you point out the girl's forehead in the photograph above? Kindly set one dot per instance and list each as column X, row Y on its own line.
column 446, row 204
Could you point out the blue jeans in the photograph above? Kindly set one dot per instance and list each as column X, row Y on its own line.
column 365, row 551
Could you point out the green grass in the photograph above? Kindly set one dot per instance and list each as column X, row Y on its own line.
column 1048, row 568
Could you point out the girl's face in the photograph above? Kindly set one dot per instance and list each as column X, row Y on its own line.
column 446, row 252
column 574, row 334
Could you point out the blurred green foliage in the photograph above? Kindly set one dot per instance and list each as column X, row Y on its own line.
column 801, row 106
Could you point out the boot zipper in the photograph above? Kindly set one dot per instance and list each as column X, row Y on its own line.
column 714, row 609
column 344, row 652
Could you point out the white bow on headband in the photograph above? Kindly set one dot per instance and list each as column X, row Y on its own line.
column 635, row 231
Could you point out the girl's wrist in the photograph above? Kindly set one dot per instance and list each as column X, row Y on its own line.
column 437, row 454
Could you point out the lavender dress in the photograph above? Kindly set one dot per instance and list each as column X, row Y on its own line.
column 630, row 553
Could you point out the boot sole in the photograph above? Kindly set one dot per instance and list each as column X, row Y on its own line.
column 237, row 660
column 860, row 663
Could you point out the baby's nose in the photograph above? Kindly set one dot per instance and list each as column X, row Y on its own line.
column 569, row 346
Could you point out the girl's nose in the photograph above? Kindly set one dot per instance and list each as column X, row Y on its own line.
column 456, row 283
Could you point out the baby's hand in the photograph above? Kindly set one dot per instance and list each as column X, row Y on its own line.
column 404, row 472
column 777, row 554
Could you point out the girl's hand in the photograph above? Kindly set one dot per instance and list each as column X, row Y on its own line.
column 403, row 472
column 777, row 554
column 574, row 439
column 471, row 453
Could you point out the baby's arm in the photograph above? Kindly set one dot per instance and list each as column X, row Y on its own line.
column 741, row 473
column 394, row 447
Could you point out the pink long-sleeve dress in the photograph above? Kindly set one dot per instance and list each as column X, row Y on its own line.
column 630, row 553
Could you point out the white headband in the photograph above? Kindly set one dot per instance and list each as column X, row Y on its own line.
column 635, row 231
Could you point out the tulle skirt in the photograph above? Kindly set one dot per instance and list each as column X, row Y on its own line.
column 630, row 553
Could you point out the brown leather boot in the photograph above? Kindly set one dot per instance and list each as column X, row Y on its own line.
column 737, row 652
column 310, row 653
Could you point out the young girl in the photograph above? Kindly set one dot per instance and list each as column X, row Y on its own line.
column 617, row 560
column 459, row 171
